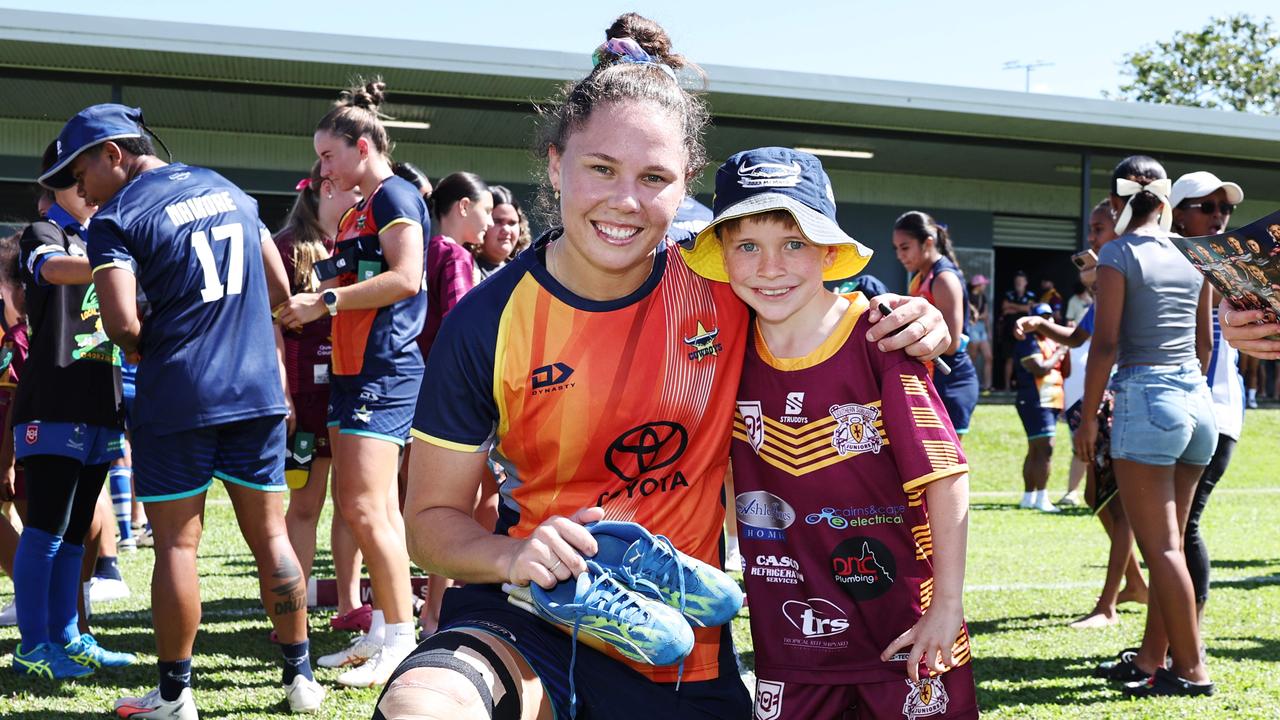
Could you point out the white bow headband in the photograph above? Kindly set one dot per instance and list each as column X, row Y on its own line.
column 1130, row 189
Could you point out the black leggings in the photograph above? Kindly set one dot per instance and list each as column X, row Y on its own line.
column 1197, row 552
column 62, row 495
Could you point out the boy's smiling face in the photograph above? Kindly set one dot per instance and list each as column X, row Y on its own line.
column 772, row 266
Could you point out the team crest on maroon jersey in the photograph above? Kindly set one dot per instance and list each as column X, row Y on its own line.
column 855, row 430
column 768, row 699
column 925, row 698
column 753, row 422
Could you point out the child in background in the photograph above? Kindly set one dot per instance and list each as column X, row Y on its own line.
column 852, row 489
column 1042, row 365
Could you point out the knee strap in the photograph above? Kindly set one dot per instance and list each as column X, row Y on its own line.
column 457, row 651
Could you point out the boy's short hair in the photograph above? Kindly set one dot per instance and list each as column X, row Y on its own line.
column 771, row 217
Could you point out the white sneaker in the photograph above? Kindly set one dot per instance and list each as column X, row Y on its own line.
column 129, row 544
column 107, row 589
column 1045, row 506
column 377, row 671
column 9, row 615
column 1025, row 503
column 152, row 707
column 360, row 650
column 304, row 695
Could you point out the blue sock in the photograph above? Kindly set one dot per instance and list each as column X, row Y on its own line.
column 297, row 661
column 121, row 482
column 64, row 588
column 32, row 566
column 173, row 677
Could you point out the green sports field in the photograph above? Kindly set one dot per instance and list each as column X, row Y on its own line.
column 1029, row 575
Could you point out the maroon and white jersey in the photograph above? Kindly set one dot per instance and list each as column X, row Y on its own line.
column 831, row 456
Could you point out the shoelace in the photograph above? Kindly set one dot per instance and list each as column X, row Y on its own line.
column 663, row 555
column 618, row 604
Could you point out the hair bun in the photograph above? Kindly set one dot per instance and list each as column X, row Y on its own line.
column 368, row 95
column 649, row 35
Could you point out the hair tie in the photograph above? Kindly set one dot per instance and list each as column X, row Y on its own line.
column 303, row 184
column 629, row 51
column 1130, row 189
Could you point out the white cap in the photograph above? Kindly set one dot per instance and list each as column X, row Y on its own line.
column 1200, row 184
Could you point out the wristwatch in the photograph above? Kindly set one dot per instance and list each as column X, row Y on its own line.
column 330, row 299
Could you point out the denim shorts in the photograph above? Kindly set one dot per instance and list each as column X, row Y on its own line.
column 1163, row 415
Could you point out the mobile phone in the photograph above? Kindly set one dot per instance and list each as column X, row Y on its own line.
column 1085, row 260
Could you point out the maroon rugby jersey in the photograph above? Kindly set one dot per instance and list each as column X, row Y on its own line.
column 831, row 455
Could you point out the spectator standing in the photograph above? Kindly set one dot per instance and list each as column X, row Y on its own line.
column 980, row 330
column 1015, row 303
column 508, row 235
column 1042, row 365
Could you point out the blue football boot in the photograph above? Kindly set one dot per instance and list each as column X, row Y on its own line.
column 86, row 651
column 652, row 566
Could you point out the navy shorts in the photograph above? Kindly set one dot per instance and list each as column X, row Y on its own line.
column 87, row 444
column 380, row 407
column 178, row 465
column 1038, row 421
column 958, row 391
column 606, row 687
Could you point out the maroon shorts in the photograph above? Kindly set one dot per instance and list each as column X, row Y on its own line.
column 312, row 412
column 950, row 696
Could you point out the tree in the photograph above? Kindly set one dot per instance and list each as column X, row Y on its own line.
column 1231, row 64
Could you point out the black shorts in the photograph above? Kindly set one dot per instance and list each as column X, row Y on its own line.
column 606, row 688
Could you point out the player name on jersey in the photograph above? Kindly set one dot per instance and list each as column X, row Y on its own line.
column 199, row 207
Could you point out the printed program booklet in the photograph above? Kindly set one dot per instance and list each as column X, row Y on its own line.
column 1244, row 264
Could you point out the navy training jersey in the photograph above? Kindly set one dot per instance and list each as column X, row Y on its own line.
column 208, row 348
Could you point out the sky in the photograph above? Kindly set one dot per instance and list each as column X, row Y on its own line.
column 930, row 41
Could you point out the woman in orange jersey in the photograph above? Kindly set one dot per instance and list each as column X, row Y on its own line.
column 599, row 372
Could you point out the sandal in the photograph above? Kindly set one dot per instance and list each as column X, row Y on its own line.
column 1165, row 684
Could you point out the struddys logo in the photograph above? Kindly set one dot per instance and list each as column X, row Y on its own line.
column 640, row 458
column 863, row 567
column 925, row 698
column 779, row 569
column 818, row 621
column 763, row 515
column 855, row 430
column 703, row 343
column 766, row 174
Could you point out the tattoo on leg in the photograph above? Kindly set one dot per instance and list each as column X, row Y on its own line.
column 290, row 586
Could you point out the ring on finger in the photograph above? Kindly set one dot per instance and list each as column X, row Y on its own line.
column 552, row 568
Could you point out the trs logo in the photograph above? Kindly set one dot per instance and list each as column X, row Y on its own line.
column 549, row 376
column 815, row 617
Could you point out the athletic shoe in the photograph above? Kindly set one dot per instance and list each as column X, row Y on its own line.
column 9, row 615
column 652, row 566
column 145, row 538
column 47, row 661
column 359, row 651
column 1071, row 499
column 1122, row 669
column 1047, row 507
column 357, row 620
column 304, row 695
column 128, row 544
column 644, row 630
column 377, row 670
column 86, row 651
column 1164, row 683
column 152, row 707
column 1025, row 503
column 103, row 589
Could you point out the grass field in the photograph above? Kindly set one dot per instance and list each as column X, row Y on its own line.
column 1028, row 575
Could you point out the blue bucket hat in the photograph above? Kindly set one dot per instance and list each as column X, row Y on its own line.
column 777, row 178
column 93, row 125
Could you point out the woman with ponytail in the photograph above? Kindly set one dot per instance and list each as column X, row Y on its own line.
column 305, row 241
column 923, row 246
column 373, row 290
column 1153, row 321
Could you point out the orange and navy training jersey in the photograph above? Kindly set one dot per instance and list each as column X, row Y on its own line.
column 1046, row 390
column 626, row 404
column 379, row 341
column 832, row 454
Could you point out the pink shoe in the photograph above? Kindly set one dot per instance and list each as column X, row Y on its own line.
column 356, row 620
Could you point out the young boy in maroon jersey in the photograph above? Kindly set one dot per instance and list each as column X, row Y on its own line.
column 852, row 488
